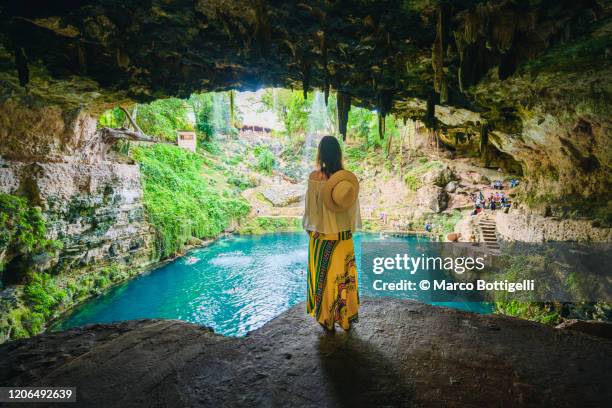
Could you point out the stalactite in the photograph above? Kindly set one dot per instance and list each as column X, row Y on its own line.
column 82, row 57
column 438, row 51
column 21, row 61
column 385, row 103
column 325, row 70
column 343, row 102
column 484, row 140
column 262, row 26
column 326, row 90
column 430, row 113
column 305, row 79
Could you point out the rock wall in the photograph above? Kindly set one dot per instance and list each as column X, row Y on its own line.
column 519, row 225
column 92, row 205
column 95, row 210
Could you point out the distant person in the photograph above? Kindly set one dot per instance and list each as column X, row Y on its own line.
column 331, row 215
column 428, row 226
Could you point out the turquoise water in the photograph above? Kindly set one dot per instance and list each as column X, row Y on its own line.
column 234, row 286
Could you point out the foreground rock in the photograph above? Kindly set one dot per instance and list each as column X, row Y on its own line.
column 402, row 353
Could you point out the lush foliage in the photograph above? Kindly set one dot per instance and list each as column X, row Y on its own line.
column 162, row 118
column 202, row 106
column 537, row 311
column 179, row 202
column 265, row 158
column 22, row 228
column 42, row 294
column 113, row 118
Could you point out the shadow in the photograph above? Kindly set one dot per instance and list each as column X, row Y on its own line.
column 360, row 375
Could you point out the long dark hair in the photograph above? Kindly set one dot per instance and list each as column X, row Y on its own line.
column 329, row 156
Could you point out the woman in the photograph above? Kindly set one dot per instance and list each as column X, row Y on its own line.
column 330, row 218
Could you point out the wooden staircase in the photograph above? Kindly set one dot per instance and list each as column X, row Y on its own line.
column 488, row 233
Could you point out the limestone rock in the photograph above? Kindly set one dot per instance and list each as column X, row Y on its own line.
column 400, row 353
column 95, row 210
column 451, row 187
column 439, row 177
column 527, row 226
column 284, row 195
column 432, row 197
column 592, row 327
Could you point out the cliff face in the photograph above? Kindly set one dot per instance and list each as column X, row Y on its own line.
column 95, row 210
column 93, row 206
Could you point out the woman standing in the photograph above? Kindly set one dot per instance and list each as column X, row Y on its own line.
column 330, row 218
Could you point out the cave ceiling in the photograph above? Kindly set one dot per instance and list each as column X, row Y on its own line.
column 392, row 56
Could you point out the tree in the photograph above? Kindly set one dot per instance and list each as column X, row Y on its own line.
column 164, row 117
column 202, row 105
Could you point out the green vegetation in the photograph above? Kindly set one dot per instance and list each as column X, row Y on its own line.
column 261, row 225
column 206, row 113
column 22, row 229
column 179, row 201
column 553, row 278
column 290, row 107
column 163, row 118
column 45, row 297
column 546, row 313
column 113, row 118
column 265, row 159
column 414, row 177
column 241, row 181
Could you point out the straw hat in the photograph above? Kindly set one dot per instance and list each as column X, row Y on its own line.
column 340, row 191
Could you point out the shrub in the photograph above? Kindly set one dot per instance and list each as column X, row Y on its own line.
column 265, row 159
column 41, row 293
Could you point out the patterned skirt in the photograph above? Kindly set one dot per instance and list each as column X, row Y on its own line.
column 333, row 296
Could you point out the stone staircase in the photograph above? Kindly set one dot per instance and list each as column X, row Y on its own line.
column 488, row 234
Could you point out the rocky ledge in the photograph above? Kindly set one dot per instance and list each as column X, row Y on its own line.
column 402, row 353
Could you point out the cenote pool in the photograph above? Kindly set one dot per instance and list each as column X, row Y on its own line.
column 235, row 285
